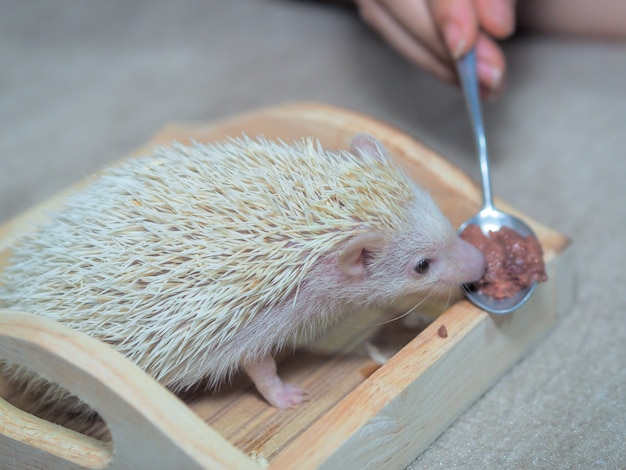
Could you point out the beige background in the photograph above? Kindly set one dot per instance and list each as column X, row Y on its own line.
column 83, row 83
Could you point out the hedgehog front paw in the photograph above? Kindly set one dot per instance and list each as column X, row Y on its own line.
column 278, row 394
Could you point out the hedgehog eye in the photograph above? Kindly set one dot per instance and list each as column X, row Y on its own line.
column 422, row 266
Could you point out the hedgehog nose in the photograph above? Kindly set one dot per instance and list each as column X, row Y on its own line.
column 472, row 263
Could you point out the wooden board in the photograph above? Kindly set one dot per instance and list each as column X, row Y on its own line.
column 358, row 414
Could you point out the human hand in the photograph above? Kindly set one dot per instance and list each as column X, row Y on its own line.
column 435, row 33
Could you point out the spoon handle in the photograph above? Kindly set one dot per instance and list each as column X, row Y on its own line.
column 466, row 68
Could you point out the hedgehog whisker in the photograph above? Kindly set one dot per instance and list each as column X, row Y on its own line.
column 402, row 315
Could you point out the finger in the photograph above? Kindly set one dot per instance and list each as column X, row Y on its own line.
column 497, row 17
column 416, row 19
column 491, row 66
column 379, row 19
column 458, row 22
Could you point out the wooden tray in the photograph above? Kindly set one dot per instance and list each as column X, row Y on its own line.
column 359, row 415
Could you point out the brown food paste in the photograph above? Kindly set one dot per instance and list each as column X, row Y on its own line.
column 513, row 262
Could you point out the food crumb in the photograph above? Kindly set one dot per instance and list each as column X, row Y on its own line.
column 442, row 331
column 259, row 459
column 369, row 369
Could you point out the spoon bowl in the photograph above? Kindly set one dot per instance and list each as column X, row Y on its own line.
column 488, row 218
column 491, row 219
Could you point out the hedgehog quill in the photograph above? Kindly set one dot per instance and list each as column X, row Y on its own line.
column 199, row 261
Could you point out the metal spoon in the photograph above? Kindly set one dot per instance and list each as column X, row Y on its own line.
column 488, row 218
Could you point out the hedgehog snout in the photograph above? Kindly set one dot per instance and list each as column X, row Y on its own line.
column 470, row 262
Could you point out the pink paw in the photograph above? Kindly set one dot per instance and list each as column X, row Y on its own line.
column 278, row 394
column 286, row 396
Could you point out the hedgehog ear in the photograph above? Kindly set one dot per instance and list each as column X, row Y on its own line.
column 351, row 259
column 366, row 145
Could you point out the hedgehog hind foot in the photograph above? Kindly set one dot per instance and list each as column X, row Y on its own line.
column 278, row 394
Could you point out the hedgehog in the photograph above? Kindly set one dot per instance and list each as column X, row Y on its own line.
column 198, row 261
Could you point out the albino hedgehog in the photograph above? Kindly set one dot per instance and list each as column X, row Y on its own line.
column 197, row 261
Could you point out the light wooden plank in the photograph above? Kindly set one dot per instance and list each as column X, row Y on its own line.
column 151, row 428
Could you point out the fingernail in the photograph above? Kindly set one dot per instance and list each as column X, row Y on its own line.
column 489, row 75
column 454, row 40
